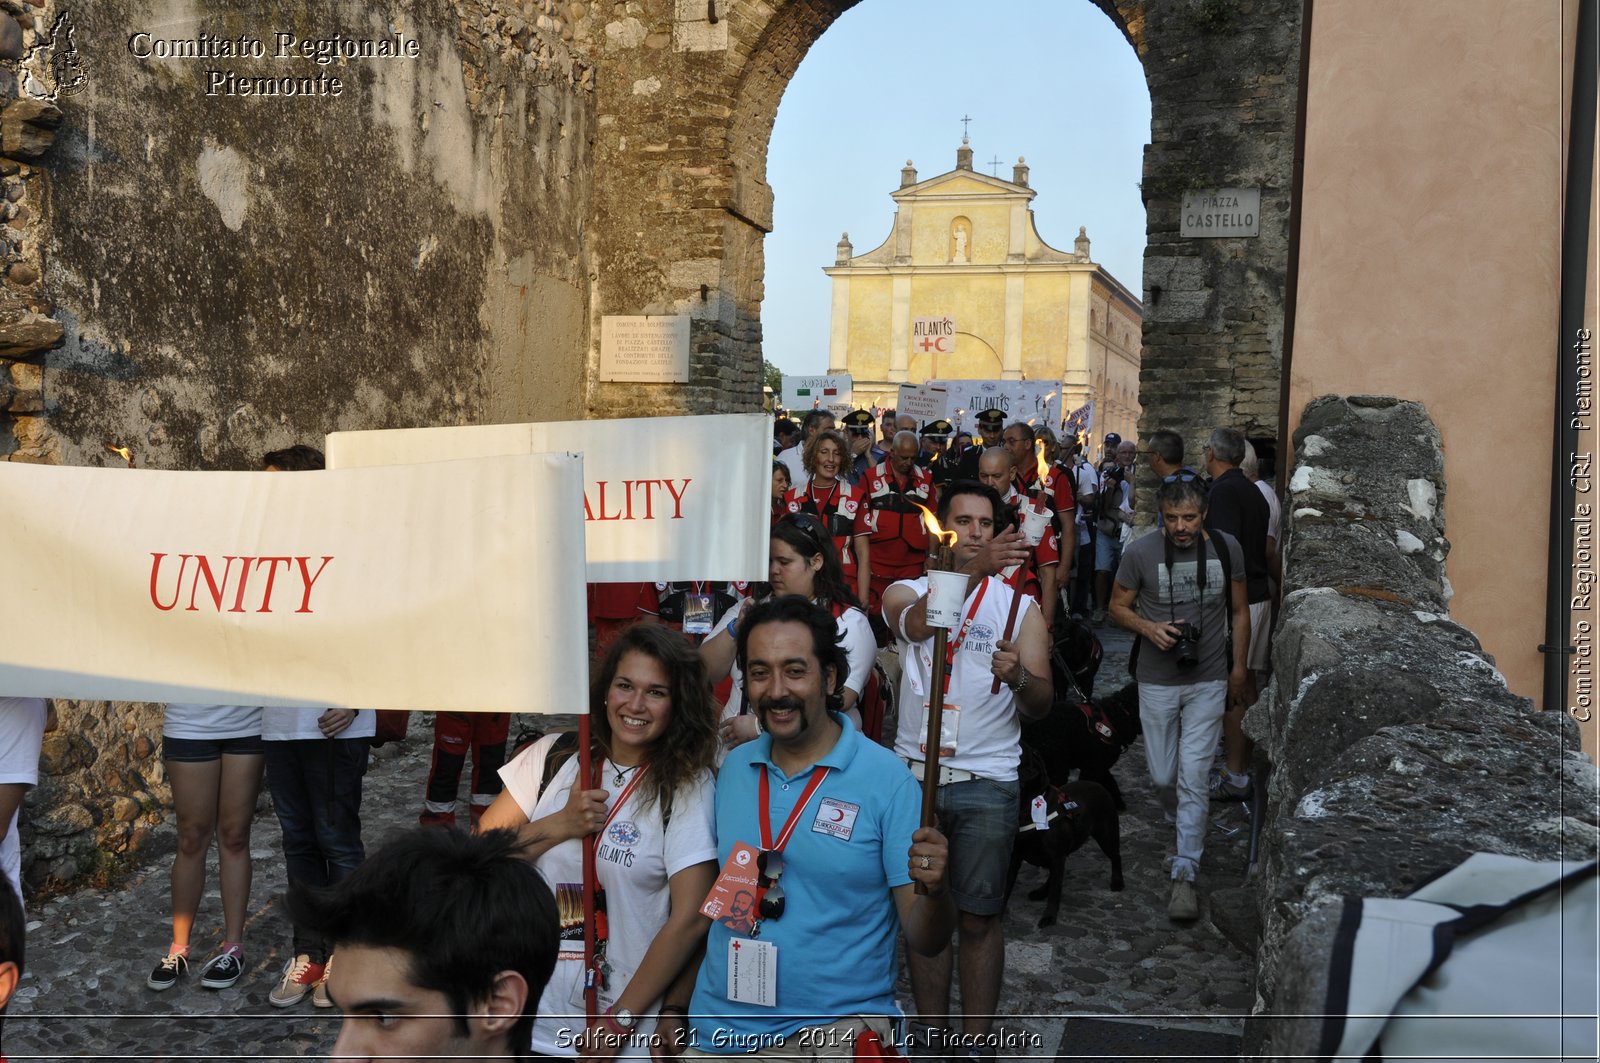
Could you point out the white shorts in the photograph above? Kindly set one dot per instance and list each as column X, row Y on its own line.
column 1260, row 636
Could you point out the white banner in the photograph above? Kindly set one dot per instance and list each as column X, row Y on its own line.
column 666, row 498
column 802, row 393
column 923, row 402
column 444, row 587
column 1032, row 401
column 933, row 335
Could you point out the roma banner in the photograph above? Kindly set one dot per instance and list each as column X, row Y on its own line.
column 666, row 498
column 450, row 586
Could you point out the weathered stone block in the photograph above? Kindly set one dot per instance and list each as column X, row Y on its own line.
column 28, row 127
column 31, row 334
column 10, row 38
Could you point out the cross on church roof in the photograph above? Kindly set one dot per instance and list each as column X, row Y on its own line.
column 964, row 121
column 995, row 162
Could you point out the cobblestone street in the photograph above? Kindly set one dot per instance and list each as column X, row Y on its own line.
column 1111, row 955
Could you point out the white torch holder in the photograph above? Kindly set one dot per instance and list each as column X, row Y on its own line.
column 947, row 592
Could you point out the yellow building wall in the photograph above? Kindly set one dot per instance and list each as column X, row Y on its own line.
column 871, row 299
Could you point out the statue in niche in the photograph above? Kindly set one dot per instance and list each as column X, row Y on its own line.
column 960, row 238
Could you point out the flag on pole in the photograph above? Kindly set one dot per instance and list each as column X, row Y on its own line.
column 1080, row 422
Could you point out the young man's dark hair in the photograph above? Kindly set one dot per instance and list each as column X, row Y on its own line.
column 1168, row 445
column 464, row 907
column 298, row 458
column 954, row 490
column 825, row 644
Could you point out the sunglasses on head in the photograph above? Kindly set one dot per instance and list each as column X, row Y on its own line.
column 770, row 865
column 808, row 526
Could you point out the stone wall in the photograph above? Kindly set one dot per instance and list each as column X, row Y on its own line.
column 202, row 278
column 1396, row 749
column 686, row 108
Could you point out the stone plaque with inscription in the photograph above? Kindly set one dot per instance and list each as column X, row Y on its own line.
column 1221, row 212
column 649, row 350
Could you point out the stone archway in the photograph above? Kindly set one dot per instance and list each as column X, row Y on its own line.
column 1223, row 80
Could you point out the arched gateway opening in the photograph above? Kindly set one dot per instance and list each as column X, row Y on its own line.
column 689, row 174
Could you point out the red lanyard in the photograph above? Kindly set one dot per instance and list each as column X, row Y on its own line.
column 833, row 498
column 794, row 817
column 961, row 633
column 602, row 925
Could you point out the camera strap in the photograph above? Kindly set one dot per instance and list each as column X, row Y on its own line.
column 1220, row 548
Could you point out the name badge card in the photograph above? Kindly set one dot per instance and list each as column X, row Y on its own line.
column 949, row 727
column 732, row 900
column 753, row 972
column 697, row 618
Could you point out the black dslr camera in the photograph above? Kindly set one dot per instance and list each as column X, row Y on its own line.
column 1187, row 645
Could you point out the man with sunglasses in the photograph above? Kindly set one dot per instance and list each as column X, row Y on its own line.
column 1166, row 455
column 994, row 678
column 828, row 820
column 1183, row 593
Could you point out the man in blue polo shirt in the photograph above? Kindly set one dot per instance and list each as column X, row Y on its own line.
column 829, row 821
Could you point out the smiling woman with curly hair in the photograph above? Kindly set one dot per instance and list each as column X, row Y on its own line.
column 647, row 810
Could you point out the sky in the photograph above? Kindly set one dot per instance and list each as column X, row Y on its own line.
column 1051, row 80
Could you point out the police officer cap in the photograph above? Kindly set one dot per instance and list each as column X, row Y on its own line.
column 1112, row 439
column 992, row 418
column 940, row 428
column 859, row 419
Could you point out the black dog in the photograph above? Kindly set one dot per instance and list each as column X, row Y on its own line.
column 1086, row 735
column 1074, row 814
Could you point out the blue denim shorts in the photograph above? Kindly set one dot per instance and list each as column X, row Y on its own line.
column 979, row 817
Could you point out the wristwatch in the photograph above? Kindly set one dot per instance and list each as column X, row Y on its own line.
column 622, row 1019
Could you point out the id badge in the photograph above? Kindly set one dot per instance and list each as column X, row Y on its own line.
column 732, row 900
column 949, row 728
column 605, row 996
column 697, row 618
column 753, row 972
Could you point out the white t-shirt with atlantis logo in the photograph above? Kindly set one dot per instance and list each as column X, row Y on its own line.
column 634, row 862
column 988, row 730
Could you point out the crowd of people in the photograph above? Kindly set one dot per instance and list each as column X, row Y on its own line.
column 744, row 807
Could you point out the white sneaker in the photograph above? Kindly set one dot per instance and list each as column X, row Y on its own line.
column 1184, row 906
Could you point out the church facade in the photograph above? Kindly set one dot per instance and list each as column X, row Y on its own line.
column 963, row 247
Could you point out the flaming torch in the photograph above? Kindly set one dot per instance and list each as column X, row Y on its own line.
column 125, row 453
column 947, row 591
column 1035, row 519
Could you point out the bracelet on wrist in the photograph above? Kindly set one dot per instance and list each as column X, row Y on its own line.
column 673, row 1009
column 1022, row 682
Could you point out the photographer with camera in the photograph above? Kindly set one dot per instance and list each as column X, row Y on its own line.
column 1182, row 592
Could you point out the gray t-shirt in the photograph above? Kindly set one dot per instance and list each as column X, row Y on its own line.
column 1144, row 570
